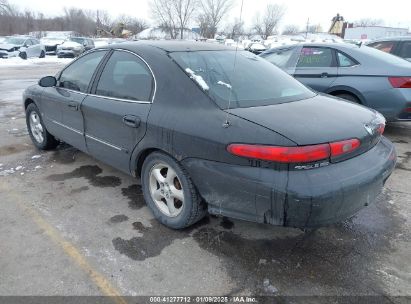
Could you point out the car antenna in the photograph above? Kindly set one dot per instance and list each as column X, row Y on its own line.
column 226, row 123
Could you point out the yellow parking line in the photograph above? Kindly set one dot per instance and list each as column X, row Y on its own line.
column 102, row 283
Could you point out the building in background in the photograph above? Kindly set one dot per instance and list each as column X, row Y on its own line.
column 374, row 32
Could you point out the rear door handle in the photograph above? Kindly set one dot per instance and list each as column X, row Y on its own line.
column 73, row 105
column 131, row 121
column 324, row 75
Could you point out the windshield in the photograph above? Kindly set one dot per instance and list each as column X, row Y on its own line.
column 15, row 40
column 255, row 81
column 78, row 40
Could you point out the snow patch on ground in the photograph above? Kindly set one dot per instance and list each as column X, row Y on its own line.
column 17, row 61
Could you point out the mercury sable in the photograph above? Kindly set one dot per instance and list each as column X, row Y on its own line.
column 211, row 129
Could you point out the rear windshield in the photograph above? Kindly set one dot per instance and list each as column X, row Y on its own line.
column 250, row 82
column 381, row 55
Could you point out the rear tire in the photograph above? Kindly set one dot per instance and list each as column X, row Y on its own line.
column 42, row 54
column 170, row 193
column 348, row 97
column 39, row 135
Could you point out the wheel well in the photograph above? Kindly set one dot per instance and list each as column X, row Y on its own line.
column 27, row 102
column 142, row 157
column 339, row 92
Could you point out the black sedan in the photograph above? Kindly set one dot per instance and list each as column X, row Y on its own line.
column 205, row 136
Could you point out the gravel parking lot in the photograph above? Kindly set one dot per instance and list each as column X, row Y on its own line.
column 70, row 225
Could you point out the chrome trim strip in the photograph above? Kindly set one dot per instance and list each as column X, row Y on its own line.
column 104, row 142
column 72, row 91
column 67, row 127
column 120, row 99
column 154, row 77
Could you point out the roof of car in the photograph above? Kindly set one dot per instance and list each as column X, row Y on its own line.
column 174, row 46
column 318, row 44
column 396, row 38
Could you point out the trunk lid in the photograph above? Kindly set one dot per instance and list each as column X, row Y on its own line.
column 317, row 120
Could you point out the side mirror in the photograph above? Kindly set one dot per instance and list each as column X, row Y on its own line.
column 48, row 81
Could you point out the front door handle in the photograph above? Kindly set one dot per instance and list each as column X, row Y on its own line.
column 73, row 105
column 324, row 75
column 132, row 121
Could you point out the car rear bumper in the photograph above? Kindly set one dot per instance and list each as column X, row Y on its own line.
column 296, row 198
column 67, row 53
column 392, row 103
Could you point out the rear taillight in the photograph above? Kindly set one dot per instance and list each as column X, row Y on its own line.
column 302, row 154
column 342, row 147
column 380, row 128
column 400, row 82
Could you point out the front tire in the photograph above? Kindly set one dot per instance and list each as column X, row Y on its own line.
column 170, row 193
column 348, row 97
column 39, row 135
column 23, row 55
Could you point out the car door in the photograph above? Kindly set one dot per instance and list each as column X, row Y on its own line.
column 28, row 48
column 34, row 48
column 62, row 104
column 316, row 67
column 116, row 113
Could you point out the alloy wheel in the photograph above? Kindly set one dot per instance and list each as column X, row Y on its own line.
column 36, row 127
column 166, row 189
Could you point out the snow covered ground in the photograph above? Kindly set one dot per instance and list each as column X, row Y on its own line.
column 17, row 61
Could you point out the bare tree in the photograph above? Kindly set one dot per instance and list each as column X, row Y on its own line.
column 132, row 24
column 291, row 29
column 212, row 13
column 369, row 22
column 267, row 24
column 173, row 15
column 234, row 29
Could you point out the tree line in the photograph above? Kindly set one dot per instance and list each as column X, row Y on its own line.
column 174, row 17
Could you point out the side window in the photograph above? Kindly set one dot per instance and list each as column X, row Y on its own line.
column 34, row 42
column 405, row 51
column 280, row 58
column 385, row 46
column 315, row 57
column 28, row 42
column 345, row 61
column 125, row 76
column 77, row 76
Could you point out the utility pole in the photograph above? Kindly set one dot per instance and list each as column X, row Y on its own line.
column 308, row 24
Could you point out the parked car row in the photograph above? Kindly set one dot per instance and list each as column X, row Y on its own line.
column 28, row 47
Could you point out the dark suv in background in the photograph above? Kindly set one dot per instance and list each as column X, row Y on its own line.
column 399, row 46
column 88, row 43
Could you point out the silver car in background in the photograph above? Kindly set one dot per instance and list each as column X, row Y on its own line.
column 22, row 46
column 354, row 72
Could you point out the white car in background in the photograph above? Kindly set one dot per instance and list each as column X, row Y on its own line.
column 99, row 42
column 22, row 46
column 51, row 44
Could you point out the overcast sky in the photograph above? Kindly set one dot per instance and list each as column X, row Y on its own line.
column 395, row 13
